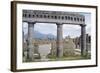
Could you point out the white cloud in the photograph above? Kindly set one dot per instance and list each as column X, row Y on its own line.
column 71, row 30
column 46, row 28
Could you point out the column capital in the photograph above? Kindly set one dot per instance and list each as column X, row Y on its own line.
column 31, row 22
column 59, row 24
column 82, row 25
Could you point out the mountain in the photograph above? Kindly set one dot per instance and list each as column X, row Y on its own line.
column 39, row 35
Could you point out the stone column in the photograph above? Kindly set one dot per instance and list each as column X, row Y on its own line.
column 30, row 41
column 83, row 39
column 87, row 44
column 59, row 40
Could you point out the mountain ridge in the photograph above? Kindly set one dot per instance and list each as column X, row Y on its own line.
column 39, row 35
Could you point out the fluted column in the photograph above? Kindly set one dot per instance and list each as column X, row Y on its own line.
column 83, row 39
column 30, row 41
column 59, row 40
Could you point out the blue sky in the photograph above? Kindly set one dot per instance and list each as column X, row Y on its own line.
column 68, row 30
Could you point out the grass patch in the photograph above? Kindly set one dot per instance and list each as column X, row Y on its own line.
column 75, row 57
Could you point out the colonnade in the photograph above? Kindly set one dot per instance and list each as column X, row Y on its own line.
column 59, row 52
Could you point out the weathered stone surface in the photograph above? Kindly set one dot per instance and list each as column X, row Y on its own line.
column 44, row 50
column 83, row 40
column 30, row 42
column 59, row 40
column 69, row 47
column 53, row 16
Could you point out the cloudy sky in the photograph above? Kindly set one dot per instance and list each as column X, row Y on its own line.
column 68, row 30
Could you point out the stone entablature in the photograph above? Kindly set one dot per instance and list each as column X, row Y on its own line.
column 53, row 16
